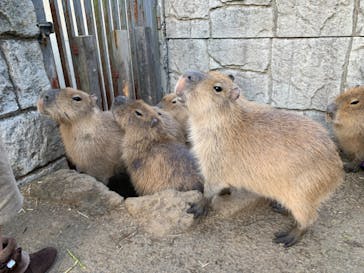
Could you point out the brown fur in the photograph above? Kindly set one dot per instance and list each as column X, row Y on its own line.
column 172, row 125
column 348, row 125
column 154, row 159
column 278, row 155
column 176, row 107
column 90, row 136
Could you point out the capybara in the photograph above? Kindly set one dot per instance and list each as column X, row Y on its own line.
column 273, row 153
column 171, row 125
column 154, row 159
column 347, row 115
column 90, row 136
column 175, row 106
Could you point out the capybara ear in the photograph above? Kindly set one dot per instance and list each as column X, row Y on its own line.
column 234, row 93
column 231, row 77
column 94, row 99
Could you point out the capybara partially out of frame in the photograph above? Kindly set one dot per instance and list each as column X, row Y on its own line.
column 273, row 153
column 347, row 115
column 154, row 159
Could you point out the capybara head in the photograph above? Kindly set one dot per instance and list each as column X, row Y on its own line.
column 211, row 87
column 348, row 108
column 66, row 105
column 171, row 102
column 135, row 115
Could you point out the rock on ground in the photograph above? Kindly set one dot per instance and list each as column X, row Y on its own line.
column 71, row 188
column 164, row 212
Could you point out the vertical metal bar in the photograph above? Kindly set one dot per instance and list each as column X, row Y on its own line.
column 54, row 46
column 92, row 28
column 66, row 41
column 105, row 49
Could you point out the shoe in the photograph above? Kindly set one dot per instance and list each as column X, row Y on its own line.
column 14, row 260
column 42, row 260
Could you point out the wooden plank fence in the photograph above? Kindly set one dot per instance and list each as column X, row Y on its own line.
column 104, row 47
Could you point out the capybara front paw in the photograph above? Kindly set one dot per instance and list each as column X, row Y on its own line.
column 199, row 209
column 277, row 207
column 289, row 238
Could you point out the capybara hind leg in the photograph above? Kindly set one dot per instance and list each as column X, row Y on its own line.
column 305, row 217
column 289, row 238
column 352, row 167
column 278, row 207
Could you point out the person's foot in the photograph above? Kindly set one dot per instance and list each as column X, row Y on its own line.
column 42, row 260
column 13, row 259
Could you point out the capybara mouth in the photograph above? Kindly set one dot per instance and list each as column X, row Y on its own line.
column 329, row 117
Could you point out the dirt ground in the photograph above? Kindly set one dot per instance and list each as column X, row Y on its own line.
column 113, row 243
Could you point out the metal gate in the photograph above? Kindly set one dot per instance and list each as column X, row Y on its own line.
column 104, row 47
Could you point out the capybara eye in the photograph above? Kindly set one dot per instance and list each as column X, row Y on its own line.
column 174, row 101
column 354, row 102
column 138, row 113
column 159, row 113
column 77, row 98
column 217, row 88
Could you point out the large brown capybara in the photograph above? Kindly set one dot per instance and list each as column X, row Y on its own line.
column 154, row 159
column 347, row 115
column 275, row 154
column 90, row 136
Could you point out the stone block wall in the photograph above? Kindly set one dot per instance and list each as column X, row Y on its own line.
column 33, row 143
column 295, row 55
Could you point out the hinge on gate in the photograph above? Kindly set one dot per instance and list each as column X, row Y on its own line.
column 45, row 28
column 159, row 25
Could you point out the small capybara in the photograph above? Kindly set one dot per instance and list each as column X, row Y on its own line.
column 347, row 115
column 90, row 136
column 175, row 106
column 273, row 153
column 154, row 159
column 173, row 127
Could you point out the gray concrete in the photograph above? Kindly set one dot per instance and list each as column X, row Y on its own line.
column 32, row 142
column 294, row 55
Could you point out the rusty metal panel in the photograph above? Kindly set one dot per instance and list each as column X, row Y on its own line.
column 121, row 55
column 85, row 65
column 92, row 30
column 109, row 47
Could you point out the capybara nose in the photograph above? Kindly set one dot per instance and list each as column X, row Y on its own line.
column 187, row 80
column 49, row 95
column 120, row 100
column 154, row 122
column 331, row 109
column 194, row 76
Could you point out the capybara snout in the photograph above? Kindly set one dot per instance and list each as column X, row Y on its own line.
column 49, row 95
column 188, row 80
column 331, row 110
column 120, row 100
